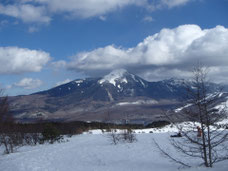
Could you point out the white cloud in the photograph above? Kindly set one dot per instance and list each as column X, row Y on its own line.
column 101, row 58
column 28, row 83
column 174, row 3
column 164, row 4
column 88, row 8
column 59, row 64
column 41, row 11
column 102, row 18
column 162, row 73
column 26, row 12
column 16, row 60
column 63, row 82
column 148, row 19
column 175, row 50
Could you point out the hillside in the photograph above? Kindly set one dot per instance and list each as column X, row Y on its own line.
column 116, row 97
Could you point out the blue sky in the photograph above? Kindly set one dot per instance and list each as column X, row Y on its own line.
column 44, row 43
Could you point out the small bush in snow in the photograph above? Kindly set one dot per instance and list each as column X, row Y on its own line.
column 51, row 134
column 128, row 136
column 113, row 136
column 10, row 141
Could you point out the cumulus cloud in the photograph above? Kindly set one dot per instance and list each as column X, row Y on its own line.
column 42, row 10
column 28, row 83
column 15, row 60
column 171, row 51
column 88, row 8
column 26, row 12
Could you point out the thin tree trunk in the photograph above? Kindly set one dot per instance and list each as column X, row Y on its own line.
column 209, row 146
column 204, row 146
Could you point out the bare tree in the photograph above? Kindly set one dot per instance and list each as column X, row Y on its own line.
column 116, row 135
column 202, row 138
column 8, row 136
column 3, row 122
column 4, row 107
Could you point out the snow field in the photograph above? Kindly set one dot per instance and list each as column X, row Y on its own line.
column 94, row 152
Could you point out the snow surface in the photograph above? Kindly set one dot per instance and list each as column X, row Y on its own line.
column 181, row 108
column 142, row 83
column 93, row 151
column 223, row 122
column 222, row 106
column 114, row 76
column 138, row 102
column 79, row 81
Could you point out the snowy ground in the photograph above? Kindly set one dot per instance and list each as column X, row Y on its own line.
column 94, row 152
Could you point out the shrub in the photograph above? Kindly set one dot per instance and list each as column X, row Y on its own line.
column 113, row 136
column 128, row 136
column 51, row 134
column 158, row 124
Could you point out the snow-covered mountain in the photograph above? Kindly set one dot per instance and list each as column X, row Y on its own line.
column 115, row 77
column 117, row 85
column 118, row 96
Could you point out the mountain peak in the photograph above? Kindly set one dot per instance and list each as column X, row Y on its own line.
column 112, row 77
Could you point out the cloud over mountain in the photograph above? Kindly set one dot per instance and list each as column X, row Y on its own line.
column 170, row 51
column 28, row 83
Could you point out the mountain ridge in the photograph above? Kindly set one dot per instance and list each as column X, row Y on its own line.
column 119, row 94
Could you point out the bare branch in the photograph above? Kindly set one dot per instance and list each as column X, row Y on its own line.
column 167, row 155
